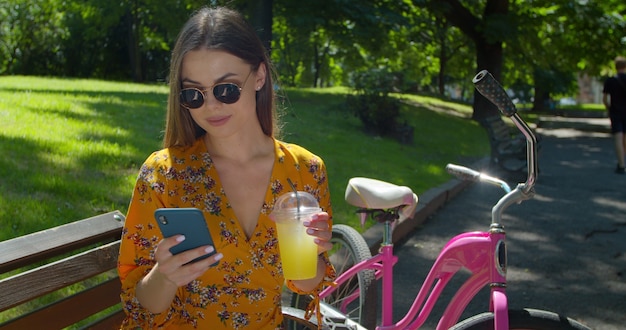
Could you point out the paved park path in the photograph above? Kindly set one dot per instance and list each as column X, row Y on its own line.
column 566, row 247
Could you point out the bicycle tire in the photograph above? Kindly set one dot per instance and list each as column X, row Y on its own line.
column 529, row 319
column 349, row 248
column 293, row 319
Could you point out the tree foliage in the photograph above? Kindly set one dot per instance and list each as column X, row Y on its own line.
column 372, row 104
column 30, row 35
column 431, row 46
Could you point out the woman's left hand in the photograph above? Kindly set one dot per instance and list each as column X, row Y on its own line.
column 320, row 228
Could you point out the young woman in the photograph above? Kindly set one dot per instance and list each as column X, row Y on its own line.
column 221, row 156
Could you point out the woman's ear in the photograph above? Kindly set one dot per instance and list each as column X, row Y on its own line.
column 261, row 73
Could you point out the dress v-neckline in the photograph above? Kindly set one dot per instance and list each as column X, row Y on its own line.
column 229, row 212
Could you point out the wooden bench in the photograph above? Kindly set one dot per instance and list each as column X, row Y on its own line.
column 508, row 145
column 38, row 268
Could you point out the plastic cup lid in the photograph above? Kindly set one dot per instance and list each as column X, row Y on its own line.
column 293, row 202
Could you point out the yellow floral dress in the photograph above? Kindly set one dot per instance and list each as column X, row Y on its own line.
column 244, row 290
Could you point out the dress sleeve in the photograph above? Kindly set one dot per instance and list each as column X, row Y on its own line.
column 138, row 242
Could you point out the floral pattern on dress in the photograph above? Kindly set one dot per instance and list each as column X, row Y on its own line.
column 243, row 291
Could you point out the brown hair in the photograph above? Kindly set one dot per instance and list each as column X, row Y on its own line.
column 222, row 29
column 620, row 63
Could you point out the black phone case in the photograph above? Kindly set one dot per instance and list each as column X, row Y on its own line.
column 185, row 221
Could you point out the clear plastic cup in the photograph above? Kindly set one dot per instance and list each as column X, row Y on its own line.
column 298, row 251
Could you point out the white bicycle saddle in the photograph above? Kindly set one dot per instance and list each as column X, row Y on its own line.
column 375, row 194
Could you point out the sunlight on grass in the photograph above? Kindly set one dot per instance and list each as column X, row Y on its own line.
column 428, row 101
column 321, row 122
column 72, row 148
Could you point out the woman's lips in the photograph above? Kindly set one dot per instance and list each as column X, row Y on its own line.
column 218, row 121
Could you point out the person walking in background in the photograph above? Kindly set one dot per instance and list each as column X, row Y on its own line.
column 221, row 155
column 614, row 99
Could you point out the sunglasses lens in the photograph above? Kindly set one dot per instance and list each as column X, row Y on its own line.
column 191, row 98
column 226, row 93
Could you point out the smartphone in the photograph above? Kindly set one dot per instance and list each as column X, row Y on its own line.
column 185, row 221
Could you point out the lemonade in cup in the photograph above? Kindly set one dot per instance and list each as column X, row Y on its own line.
column 298, row 251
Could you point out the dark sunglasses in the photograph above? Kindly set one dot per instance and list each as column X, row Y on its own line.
column 228, row 93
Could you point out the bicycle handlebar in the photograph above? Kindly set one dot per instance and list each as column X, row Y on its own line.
column 489, row 87
column 468, row 174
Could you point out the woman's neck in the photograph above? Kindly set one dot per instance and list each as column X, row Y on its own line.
column 240, row 148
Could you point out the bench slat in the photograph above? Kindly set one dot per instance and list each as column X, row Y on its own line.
column 34, row 283
column 508, row 147
column 35, row 247
column 81, row 305
column 500, row 131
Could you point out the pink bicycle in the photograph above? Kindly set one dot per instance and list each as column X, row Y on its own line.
column 352, row 303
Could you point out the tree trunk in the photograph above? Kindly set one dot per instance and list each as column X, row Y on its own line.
column 316, row 64
column 443, row 60
column 261, row 17
column 443, row 55
column 541, row 101
column 134, row 53
column 488, row 57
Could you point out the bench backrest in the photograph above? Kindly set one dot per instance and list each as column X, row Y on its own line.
column 88, row 250
column 497, row 129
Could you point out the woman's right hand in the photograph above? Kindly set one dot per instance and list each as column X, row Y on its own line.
column 174, row 268
column 158, row 288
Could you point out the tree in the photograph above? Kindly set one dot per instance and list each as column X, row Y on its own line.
column 487, row 29
column 30, row 35
column 435, row 53
column 261, row 16
column 315, row 34
column 426, row 44
column 559, row 39
column 541, row 37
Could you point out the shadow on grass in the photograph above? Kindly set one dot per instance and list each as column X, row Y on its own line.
column 40, row 193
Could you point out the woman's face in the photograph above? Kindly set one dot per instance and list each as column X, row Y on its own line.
column 204, row 69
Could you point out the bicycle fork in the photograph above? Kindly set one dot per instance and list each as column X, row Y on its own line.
column 498, row 303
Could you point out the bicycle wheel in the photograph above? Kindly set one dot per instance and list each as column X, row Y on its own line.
column 349, row 248
column 293, row 319
column 529, row 319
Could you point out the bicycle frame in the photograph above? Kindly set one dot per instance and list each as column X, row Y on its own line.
column 482, row 253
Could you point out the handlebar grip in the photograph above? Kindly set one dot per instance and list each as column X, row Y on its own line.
column 489, row 87
column 463, row 173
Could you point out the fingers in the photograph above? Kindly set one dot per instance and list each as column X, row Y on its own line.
column 163, row 252
column 320, row 228
column 183, row 267
column 198, row 259
column 319, row 221
column 195, row 266
column 163, row 248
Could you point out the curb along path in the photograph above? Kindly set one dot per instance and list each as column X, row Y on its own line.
column 428, row 203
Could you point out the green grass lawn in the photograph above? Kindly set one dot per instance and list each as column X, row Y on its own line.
column 72, row 148
column 320, row 120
